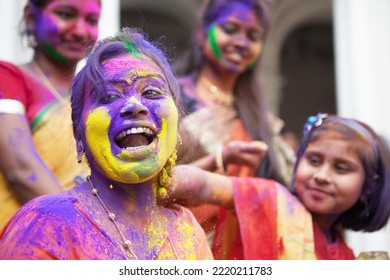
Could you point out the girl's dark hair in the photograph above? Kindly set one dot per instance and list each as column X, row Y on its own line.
column 372, row 210
column 90, row 82
column 249, row 100
column 40, row 3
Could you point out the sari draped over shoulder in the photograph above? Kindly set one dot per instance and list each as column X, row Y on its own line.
column 207, row 132
column 209, row 127
column 275, row 225
column 53, row 138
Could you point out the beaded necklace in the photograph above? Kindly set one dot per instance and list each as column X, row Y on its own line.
column 126, row 243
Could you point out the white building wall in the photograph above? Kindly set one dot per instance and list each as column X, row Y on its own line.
column 362, row 46
column 11, row 12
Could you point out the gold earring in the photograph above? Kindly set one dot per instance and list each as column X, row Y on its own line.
column 166, row 181
column 179, row 140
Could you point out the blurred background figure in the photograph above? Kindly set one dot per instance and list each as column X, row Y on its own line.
column 36, row 143
column 226, row 110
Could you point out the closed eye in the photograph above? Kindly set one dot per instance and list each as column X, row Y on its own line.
column 314, row 160
column 65, row 14
column 93, row 20
column 229, row 27
column 254, row 36
column 342, row 167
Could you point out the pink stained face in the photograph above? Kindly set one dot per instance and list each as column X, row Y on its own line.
column 235, row 39
column 329, row 177
column 67, row 29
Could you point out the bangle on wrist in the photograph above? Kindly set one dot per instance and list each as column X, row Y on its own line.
column 219, row 159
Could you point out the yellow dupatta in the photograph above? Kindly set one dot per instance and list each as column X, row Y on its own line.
column 53, row 138
column 54, row 141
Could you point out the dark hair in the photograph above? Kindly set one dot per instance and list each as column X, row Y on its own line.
column 372, row 210
column 90, row 82
column 40, row 3
column 249, row 100
column 33, row 4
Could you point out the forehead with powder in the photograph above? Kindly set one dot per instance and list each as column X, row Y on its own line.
column 129, row 67
column 241, row 11
column 335, row 131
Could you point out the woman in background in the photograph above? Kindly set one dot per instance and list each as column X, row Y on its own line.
column 227, row 115
column 36, row 141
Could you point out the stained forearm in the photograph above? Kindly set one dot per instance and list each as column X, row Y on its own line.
column 196, row 186
column 24, row 170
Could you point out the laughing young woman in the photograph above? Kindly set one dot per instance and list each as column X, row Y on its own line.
column 125, row 120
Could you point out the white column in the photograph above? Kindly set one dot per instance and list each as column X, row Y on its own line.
column 109, row 22
column 11, row 12
column 362, row 46
column 11, row 47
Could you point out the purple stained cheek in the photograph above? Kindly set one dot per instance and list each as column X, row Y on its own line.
column 47, row 27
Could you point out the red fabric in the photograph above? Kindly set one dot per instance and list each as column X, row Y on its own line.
column 256, row 209
column 338, row 250
column 227, row 233
column 15, row 84
column 258, row 219
column 211, row 216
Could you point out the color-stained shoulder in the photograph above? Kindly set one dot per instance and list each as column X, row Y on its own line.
column 54, row 205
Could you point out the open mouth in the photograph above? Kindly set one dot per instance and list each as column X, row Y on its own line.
column 236, row 55
column 134, row 138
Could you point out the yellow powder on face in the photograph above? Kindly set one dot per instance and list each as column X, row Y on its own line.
column 132, row 166
column 167, row 137
column 97, row 125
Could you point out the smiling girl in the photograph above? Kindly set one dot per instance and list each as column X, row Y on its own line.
column 341, row 181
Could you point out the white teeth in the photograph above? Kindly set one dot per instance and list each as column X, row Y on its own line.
column 236, row 55
column 134, row 130
column 133, row 148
